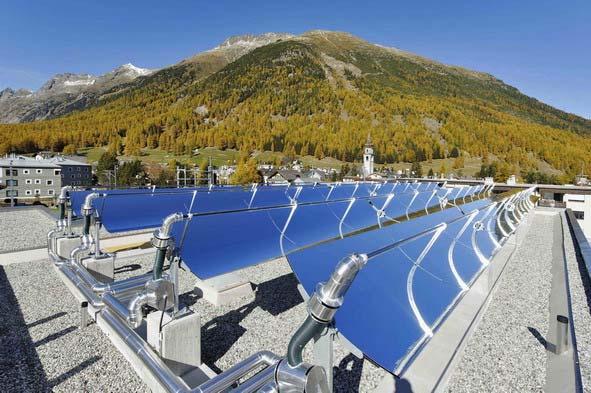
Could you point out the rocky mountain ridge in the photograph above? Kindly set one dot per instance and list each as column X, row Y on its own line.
column 63, row 93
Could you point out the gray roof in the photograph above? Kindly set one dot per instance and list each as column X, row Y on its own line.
column 61, row 160
column 26, row 162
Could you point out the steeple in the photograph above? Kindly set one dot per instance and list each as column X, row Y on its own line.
column 368, row 157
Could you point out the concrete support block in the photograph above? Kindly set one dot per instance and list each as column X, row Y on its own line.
column 101, row 267
column 224, row 289
column 65, row 245
column 178, row 341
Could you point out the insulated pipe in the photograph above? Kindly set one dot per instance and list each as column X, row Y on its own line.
column 61, row 222
column 305, row 333
column 62, row 199
column 162, row 373
column 158, row 263
column 123, row 286
column 86, row 238
column 226, row 379
column 90, row 296
column 150, row 360
column 161, row 241
column 322, row 306
column 132, row 314
column 117, row 287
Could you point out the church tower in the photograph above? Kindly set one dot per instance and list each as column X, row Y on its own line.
column 368, row 158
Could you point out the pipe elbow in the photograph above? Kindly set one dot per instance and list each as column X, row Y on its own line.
column 64, row 193
column 135, row 310
column 166, row 229
column 87, row 206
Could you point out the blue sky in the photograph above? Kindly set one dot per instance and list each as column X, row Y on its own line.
column 541, row 47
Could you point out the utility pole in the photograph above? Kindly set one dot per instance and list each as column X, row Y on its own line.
column 11, row 185
column 210, row 173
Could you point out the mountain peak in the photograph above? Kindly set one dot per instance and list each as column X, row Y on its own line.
column 130, row 68
column 252, row 40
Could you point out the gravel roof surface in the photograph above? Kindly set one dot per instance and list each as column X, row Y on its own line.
column 504, row 355
column 23, row 229
column 580, row 295
column 45, row 350
column 42, row 348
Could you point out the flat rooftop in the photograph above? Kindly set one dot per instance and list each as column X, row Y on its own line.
column 508, row 347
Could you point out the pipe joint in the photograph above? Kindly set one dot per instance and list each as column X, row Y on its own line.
column 303, row 378
column 63, row 197
column 87, row 208
column 331, row 292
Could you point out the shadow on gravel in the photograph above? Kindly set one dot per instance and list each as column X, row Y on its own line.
column 127, row 268
column 73, row 371
column 275, row 296
column 20, row 367
column 538, row 336
column 347, row 375
column 55, row 336
column 46, row 319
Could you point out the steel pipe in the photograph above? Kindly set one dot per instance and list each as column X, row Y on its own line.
column 161, row 241
column 153, row 364
column 322, row 306
column 225, row 380
column 132, row 314
column 92, row 298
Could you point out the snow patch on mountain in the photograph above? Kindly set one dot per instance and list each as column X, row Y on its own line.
column 80, row 82
column 136, row 70
column 252, row 40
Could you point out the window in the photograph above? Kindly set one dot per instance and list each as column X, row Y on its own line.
column 79, row 175
column 50, row 192
column 28, row 192
column 49, row 182
column 57, row 172
column 37, row 192
column 12, row 193
column 14, row 172
column 579, row 215
column 85, row 169
column 11, row 183
column 78, row 168
column 72, row 176
column 26, row 171
column 38, row 171
column 69, row 169
column 28, row 181
column 37, row 181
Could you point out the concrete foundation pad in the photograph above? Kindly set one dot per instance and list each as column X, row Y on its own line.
column 101, row 267
column 178, row 341
column 65, row 245
column 224, row 289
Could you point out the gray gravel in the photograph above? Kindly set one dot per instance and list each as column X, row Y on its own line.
column 580, row 292
column 23, row 229
column 44, row 337
column 49, row 353
column 504, row 354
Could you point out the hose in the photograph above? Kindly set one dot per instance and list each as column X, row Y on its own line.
column 62, row 211
column 159, row 263
column 305, row 333
column 86, row 229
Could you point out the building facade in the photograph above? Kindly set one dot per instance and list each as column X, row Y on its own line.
column 25, row 178
column 74, row 173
